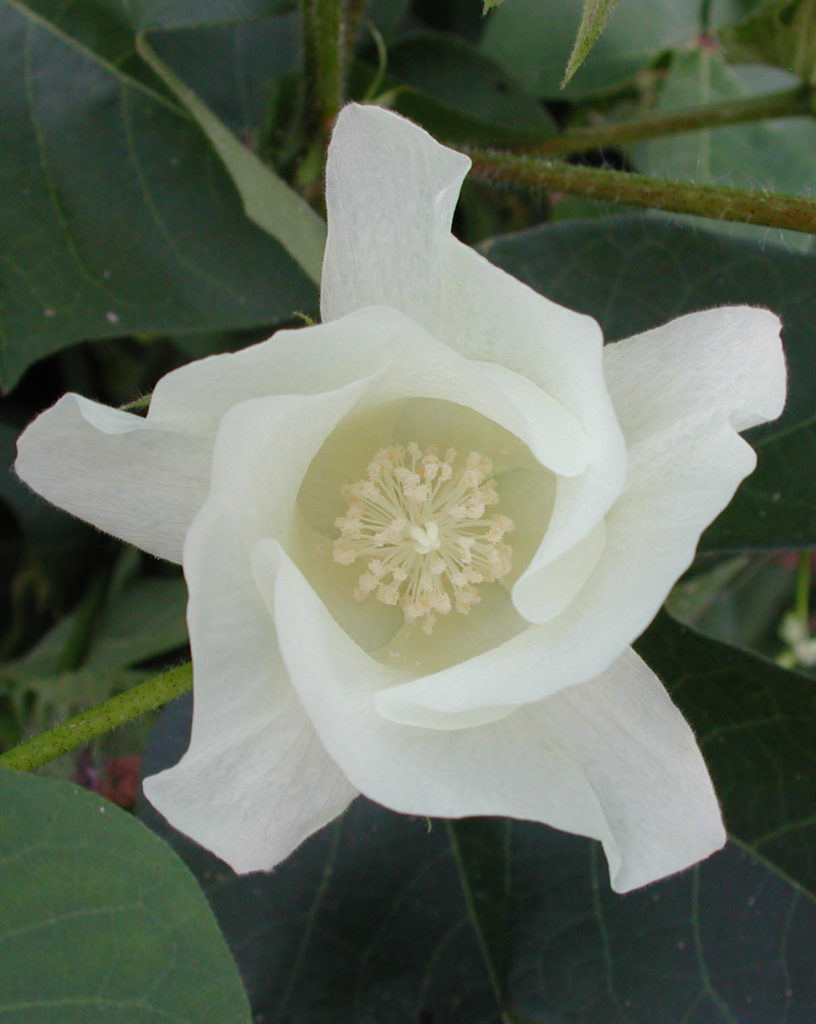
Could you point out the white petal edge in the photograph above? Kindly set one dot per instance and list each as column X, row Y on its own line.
column 729, row 359
column 119, row 472
column 612, row 759
column 253, row 801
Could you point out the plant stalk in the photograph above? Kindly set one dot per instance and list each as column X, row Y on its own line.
column 355, row 11
column 324, row 57
column 718, row 202
column 124, row 707
column 796, row 102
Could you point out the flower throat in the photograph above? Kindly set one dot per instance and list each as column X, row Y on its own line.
column 422, row 524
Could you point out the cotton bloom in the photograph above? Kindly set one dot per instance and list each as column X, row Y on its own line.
column 420, row 536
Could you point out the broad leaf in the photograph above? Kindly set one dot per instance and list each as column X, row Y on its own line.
column 268, row 200
column 533, row 38
column 382, row 918
column 99, row 920
column 756, row 725
column 781, row 33
column 458, row 94
column 632, row 273
column 232, row 68
column 593, row 21
column 117, row 214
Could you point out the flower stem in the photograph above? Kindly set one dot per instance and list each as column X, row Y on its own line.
column 716, row 201
column 797, row 102
column 323, row 28
column 355, row 10
column 124, row 707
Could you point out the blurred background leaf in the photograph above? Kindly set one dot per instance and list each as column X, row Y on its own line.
column 454, row 91
column 774, row 155
column 383, row 918
column 781, row 33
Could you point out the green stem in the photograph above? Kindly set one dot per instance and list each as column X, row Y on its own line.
column 718, row 202
column 802, row 606
column 797, row 102
column 133, row 703
column 355, row 10
column 323, row 28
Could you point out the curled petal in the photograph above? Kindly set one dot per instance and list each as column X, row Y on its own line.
column 390, row 195
column 140, row 482
column 254, row 799
column 729, row 359
column 612, row 759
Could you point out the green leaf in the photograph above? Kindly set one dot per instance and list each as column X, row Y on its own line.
column 117, row 214
column 267, row 199
column 232, row 68
column 93, row 652
column 487, row 921
column 488, row 5
column 534, row 38
column 756, row 726
column 100, row 920
column 782, row 34
column 458, row 94
column 632, row 273
column 593, row 21
column 775, row 156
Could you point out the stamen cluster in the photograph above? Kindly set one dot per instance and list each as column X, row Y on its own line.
column 422, row 524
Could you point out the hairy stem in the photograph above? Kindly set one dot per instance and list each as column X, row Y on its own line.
column 355, row 10
column 797, row 102
column 324, row 49
column 124, row 707
column 718, row 202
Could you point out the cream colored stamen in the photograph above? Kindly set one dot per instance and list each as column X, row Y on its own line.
column 422, row 525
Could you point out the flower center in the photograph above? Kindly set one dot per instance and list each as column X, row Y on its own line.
column 422, row 525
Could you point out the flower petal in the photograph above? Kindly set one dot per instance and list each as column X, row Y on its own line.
column 728, row 358
column 391, row 190
column 255, row 781
column 682, row 473
column 678, row 482
column 254, row 800
column 120, row 472
column 612, row 759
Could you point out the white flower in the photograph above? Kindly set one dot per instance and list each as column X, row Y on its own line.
column 446, row 633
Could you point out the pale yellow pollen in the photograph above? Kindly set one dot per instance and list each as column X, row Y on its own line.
column 422, row 527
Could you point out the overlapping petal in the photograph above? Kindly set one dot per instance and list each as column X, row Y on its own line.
column 599, row 760
column 685, row 462
column 385, row 177
column 613, row 461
